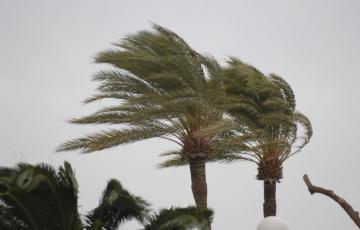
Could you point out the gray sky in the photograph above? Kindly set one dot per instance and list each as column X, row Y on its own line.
column 45, row 67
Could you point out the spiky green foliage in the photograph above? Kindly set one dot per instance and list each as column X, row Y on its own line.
column 36, row 197
column 180, row 219
column 39, row 197
column 116, row 206
column 162, row 88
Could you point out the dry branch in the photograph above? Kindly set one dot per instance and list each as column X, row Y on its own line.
column 354, row 215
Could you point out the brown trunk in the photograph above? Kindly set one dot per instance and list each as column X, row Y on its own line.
column 269, row 198
column 198, row 181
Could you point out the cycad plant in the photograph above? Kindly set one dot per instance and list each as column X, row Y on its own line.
column 269, row 129
column 162, row 88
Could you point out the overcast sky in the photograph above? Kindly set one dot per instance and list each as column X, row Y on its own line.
column 46, row 50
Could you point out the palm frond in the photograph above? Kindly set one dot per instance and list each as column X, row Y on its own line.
column 286, row 90
column 181, row 219
column 113, row 137
column 174, row 161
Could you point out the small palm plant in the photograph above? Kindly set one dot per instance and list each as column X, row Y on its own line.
column 269, row 130
column 37, row 197
column 116, row 206
column 162, row 89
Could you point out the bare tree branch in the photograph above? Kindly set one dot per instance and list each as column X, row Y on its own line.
column 354, row 215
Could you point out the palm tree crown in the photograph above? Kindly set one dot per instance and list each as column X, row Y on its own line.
column 164, row 89
column 161, row 90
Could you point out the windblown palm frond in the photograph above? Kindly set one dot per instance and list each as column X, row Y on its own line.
column 180, row 219
column 253, row 95
column 113, row 137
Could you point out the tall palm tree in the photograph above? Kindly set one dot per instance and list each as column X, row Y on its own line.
column 162, row 89
column 269, row 130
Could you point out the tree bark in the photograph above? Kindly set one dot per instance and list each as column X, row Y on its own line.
column 269, row 198
column 354, row 215
column 198, row 181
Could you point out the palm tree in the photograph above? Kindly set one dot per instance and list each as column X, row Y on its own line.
column 163, row 89
column 39, row 198
column 269, row 130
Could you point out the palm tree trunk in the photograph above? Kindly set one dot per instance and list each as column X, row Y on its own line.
column 269, row 198
column 198, row 181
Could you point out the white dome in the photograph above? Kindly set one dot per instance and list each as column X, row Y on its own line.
column 272, row 223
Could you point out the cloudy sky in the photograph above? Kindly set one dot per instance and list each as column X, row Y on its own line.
column 45, row 67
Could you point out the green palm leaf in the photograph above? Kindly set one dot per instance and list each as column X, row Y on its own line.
column 110, row 138
column 180, row 219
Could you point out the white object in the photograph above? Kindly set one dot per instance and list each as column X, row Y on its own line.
column 272, row 223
